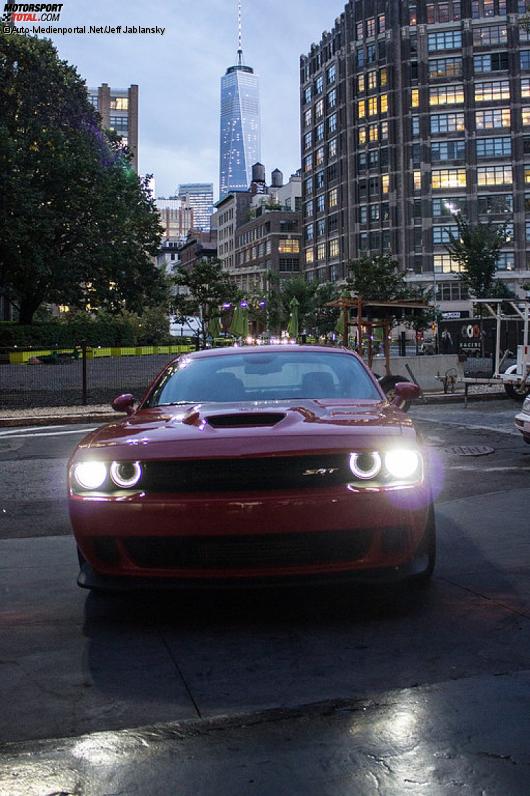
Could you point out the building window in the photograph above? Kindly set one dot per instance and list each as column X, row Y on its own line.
column 321, row 251
column 415, row 126
column 381, row 23
column 385, row 183
column 361, row 84
column 321, row 227
column 319, row 180
column 319, row 85
column 447, row 122
column 414, row 97
column 448, row 206
column 444, row 263
column 448, row 40
column 494, row 175
column 308, row 209
column 319, row 132
column 383, row 77
column 319, row 109
column 495, row 204
column 308, row 140
column 361, row 109
column 491, row 35
column 309, row 185
column 525, row 88
column 307, row 95
column 333, row 197
column 309, row 232
column 332, row 123
column 288, row 246
column 359, row 30
column 319, row 156
column 489, row 92
column 308, row 163
column 119, row 104
column 370, row 27
column 363, row 214
column 320, row 203
column 331, row 74
column 120, row 124
column 448, row 178
column 448, row 150
column 307, row 119
column 372, row 106
column 334, row 248
column 444, row 234
column 309, row 256
column 493, row 62
column 494, row 147
column 445, row 67
column 371, row 80
column 487, row 120
column 524, row 59
column 332, row 148
column 332, row 98
column 383, row 103
column 363, row 241
column 506, row 261
column 447, row 95
column 362, row 135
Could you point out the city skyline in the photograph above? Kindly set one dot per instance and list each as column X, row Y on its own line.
column 179, row 119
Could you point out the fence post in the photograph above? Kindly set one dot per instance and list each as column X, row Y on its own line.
column 84, row 358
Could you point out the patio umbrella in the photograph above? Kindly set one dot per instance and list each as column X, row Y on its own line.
column 292, row 326
column 214, row 327
column 239, row 323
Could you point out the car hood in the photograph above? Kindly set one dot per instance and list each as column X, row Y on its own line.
column 249, row 429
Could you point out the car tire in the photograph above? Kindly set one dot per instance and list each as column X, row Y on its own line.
column 427, row 546
column 388, row 385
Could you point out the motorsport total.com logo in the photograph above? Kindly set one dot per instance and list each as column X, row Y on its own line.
column 32, row 12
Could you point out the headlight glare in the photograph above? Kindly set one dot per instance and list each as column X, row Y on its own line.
column 125, row 474
column 365, row 465
column 402, row 463
column 90, row 475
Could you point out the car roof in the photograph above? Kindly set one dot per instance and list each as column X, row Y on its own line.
column 267, row 349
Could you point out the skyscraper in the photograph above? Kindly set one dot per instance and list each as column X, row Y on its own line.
column 198, row 196
column 411, row 113
column 240, row 144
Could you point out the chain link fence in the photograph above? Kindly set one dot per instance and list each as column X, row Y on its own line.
column 31, row 377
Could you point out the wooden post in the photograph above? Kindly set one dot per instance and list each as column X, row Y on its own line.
column 386, row 346
column 345, row 329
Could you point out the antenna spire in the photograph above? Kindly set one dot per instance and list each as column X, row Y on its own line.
column 239, row 34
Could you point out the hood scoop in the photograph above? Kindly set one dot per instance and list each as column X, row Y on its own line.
column 245, row 419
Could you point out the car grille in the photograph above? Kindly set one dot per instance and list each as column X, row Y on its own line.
column 234, row 552
column 235, row 475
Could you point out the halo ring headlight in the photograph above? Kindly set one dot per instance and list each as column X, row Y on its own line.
column 402, row 462
column 125, row 474
column 365, row 465
column 90, row 475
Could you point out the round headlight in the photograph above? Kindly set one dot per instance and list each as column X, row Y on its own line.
column 526, row 405
column 402, row 463
column 365, row 465
column 90, row 475
column 125, row 474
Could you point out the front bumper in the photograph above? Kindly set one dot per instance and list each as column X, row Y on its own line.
column 249, row 538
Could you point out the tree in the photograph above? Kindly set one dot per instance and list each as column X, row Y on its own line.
column 201, row 292
column 323, row 319
column 476, row 249
column 377, row 278
column 79, row 226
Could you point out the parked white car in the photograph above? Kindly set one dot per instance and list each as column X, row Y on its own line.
column 522, row 420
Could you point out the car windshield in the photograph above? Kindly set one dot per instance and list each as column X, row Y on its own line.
column 264, row 376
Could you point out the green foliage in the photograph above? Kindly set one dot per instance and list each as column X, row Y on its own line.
column 79, row 225
column 377, row 278
column 476, row 249
column 104, row 331
column 201, row 292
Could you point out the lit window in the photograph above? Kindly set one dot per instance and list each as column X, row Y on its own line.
column 383, row 77
column 321, row 251
column 371, row 78
column 373, row 132
column 414, row 98
column 309, row 256
column 525, row 87
column 333, row 198
column 383, row 100
column 119, row 104
column 289, row 246
column 448, row 178
column 385, row 183
column 499, row 117
column 527, row 174
column 361, row 109
column 384, row 131
column 319, row 156
column 361, row 81
column 525, row 114
column 372, row 106
column 370, row 27
column 448, row 206
column 362, row 135
column 446, row 264
column 445, row 67
column 488, row 92
column 334, row 248
column 494, row 175
column 447, row 95
column 416, row 177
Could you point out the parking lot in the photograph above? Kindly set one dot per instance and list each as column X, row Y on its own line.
column 338, row 662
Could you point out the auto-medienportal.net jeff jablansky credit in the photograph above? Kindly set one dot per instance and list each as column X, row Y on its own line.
column 83, row 29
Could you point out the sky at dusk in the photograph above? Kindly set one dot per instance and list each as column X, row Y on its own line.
column 179, row 73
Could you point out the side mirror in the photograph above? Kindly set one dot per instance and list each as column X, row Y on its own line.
column 124, row 403
column 404, row 393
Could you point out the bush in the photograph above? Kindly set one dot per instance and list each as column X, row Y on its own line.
column 102, row 331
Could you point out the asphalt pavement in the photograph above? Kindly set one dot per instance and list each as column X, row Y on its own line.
column 339, row 691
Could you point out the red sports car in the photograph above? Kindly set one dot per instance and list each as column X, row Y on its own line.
column 254, row 465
